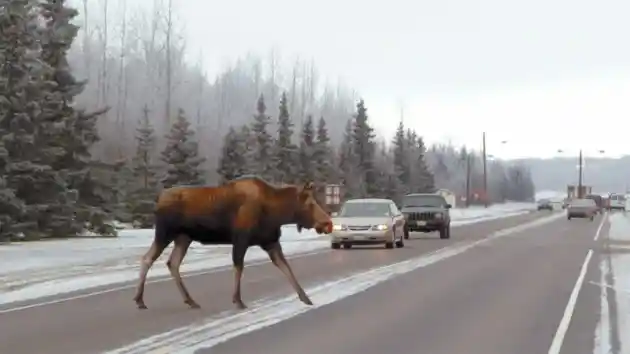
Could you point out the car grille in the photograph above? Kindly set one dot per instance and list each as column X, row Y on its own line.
column 359, row 227
column 421, row 216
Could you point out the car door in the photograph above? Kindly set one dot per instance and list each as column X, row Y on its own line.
column 399, row 220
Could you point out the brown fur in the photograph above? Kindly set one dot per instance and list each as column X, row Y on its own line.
column 242, row 212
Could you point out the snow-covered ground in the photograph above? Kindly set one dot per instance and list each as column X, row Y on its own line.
column 614, row 328
column 36, row 269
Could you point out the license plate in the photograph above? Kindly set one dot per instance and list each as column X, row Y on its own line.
column 421, row 223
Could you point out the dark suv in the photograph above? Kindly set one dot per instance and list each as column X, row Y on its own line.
column 426, row 212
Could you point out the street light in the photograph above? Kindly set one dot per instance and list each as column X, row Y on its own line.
column 580, row 169
column 485, row 169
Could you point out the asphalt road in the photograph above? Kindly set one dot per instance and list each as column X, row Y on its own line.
column 505, row 296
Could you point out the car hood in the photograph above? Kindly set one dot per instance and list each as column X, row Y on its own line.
column 421, row 209
column 372, row 220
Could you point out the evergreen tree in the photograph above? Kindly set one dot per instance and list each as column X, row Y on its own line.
column 350, row 179
column 364, row 150
column 181, row 155
column 322, row 154
column 261, row 156
column 232, row 161
column 69, row 134
column 308, row 147
column 285, row 152
column 27, row 104
column 247, row 148
column 144, row 190
column 423, row 180
column 402, row 166
column 15, row 83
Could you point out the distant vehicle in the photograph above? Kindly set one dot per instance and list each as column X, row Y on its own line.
column 368, row 221
column 599, row 201
column 426, row 212
column 617, row 202
column 582, row 208
column 545, row 204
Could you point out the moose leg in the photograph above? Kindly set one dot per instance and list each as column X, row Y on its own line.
column 277, row 258
column 182, row 242
column 147, row 261
column 238, row 259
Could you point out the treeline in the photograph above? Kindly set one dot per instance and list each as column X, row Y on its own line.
column 363, row 165
column 135, row 55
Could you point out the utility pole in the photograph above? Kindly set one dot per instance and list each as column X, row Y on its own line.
column 485, row 173
column 580, row 163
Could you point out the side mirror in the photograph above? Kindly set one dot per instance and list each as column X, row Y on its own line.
column 334, row 213
column 448, row 206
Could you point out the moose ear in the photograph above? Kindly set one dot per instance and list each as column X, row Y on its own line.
column 309, row 186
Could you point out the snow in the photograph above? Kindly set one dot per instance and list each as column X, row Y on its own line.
column 30, row 270
column 614, row 285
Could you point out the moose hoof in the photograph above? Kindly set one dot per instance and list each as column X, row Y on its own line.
column 239, row 304
column 192, row 304
column 141, row 306
column 305, row 299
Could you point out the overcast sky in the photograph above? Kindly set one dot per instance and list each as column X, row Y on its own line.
column 542, row 74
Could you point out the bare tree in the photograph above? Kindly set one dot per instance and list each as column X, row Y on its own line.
column 86, row 38
column 169, row 69
column 103, row 78
column 122, row 83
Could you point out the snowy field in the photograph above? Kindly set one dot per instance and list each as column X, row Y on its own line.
column 36, row 269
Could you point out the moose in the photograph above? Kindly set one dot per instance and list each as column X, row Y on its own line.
column 243, row 212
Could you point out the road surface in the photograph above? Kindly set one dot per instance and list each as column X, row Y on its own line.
column 500, row 292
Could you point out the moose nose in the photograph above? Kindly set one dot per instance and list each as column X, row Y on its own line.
column 326, row 227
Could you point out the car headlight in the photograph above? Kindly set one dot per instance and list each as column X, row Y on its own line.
column 439, row 215
column 381, row 227
column 338, row 227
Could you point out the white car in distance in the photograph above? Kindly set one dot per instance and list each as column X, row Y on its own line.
column 367, row 222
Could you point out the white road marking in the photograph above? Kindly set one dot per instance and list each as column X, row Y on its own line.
column 150, row 281
column 218, row 329
column 563, row 327
column 160, row 280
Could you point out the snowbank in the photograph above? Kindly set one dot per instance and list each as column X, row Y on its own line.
column 35, row 269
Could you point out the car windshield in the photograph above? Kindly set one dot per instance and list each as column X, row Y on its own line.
column 366, row 209
column 423, row 201
column 583, row 202
column 543, row 201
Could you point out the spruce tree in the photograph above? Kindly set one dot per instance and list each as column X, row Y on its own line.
column 28, row 102
column 69, row 134
column 143, row 193
column 232, row 161
column 308, row 147
column 322, row 155
column 261, row 156
column 348, row 170
column 364, row 150
column 181, row 155
column 424, row 177
column 285, row 152
column 402, row 168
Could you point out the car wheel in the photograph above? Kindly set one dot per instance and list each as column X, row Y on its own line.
column 445, row 232
column 347, row 246
column 335, row 246
column 591, row 217
column 406, row 232
column 389, row 245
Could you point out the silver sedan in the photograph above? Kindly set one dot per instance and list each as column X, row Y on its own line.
column 366, row 222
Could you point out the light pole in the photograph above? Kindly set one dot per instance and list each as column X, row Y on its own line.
column 581, row 170
column 485, row 169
